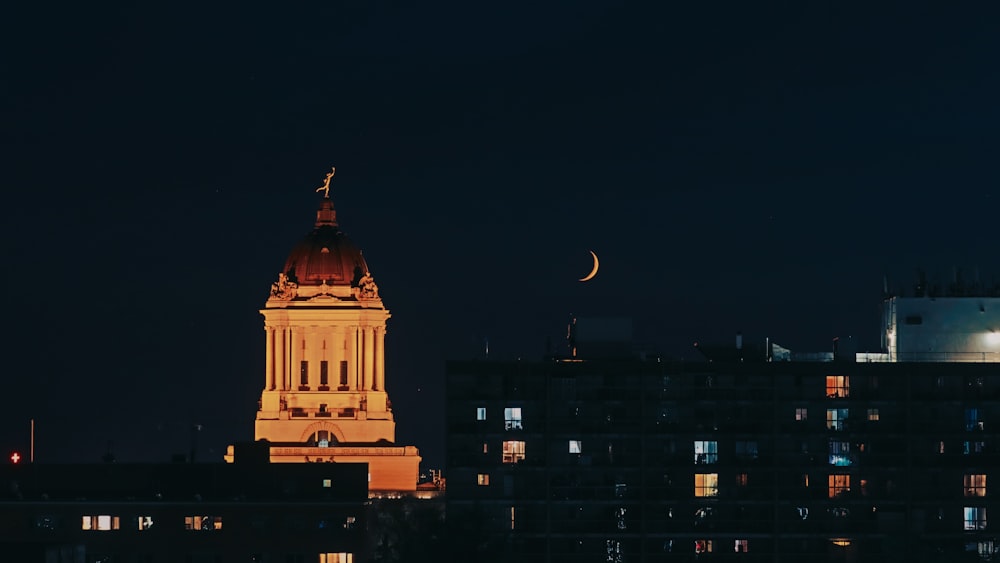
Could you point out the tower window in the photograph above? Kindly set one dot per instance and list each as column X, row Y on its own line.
column 972, row 420
column 324, row 372
column 838, row 386
column 836, row 419
column 343, row 372
column 205, row 523
column 975, row 517
column 840, row 453
column 512, row 418
column 513, row 451
column 706, row 451
column 975, row 485
column 706, row 484
column 838, row 485
column 304, row 372
column 100, row 522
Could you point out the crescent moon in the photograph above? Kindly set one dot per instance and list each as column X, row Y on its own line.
column 593, row 272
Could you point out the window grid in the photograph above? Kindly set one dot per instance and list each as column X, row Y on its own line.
column 512, row 418
column 838, row 485
column 975, row 517
column 975, row 485
column 706, row 452
column 838, row 386
column 706, row 484
column 513, row 451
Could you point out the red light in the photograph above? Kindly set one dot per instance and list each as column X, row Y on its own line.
column 15, row 457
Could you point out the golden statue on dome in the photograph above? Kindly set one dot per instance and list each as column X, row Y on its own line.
column 326, row 184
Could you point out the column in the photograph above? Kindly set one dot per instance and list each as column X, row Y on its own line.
column 368, row 380
column 279, row 357
column 336, row 354
column 269, row 358
column 379, row 359
column 352, row 357
column 294, row 355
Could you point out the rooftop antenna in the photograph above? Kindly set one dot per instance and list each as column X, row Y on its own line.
column 31, row 455
column 486, row 342
column 571, row 335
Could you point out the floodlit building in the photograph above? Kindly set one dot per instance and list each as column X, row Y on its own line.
column 941, row 329
column 324, row 393
column 740, row 458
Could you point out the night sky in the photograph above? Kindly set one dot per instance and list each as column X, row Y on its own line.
column 736, row 166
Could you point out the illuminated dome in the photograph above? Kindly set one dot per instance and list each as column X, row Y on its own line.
column 325, row 254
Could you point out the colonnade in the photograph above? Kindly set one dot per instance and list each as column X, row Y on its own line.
column 357, row 351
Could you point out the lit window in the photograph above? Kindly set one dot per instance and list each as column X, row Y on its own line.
column 512, row 418
column 513, row 451
column 987, row 549
column 703, row 546
column 512, row 518
column 336, row 558
column 483, row 479
column 327, row 483
column 873, row 415
column 145, row 522
column 838, row 386
column 350, row 522
column 840, row 453
column 972, row 420
column 706, row 452
column 480, row 413
column 836, row 419
column 203, row 523
column 706, row 484
column 940, row 447
column 486, row 448
column 801, row 414
column 975, row 485
column 742, row 546
column 805, row 480
column 838, row 485
column 975, row 517
column 741, row 479
column 575, row 447
column 100, row 522
column 746, row 449
column 973, row 447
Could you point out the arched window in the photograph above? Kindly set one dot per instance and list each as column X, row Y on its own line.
column 323, row 438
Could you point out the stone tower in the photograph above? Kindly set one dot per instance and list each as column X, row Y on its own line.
column 324, row 396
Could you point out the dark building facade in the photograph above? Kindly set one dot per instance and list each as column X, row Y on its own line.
column 639, row 461
column 183, row 513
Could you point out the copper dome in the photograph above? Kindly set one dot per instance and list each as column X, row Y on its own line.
column 325, row 254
